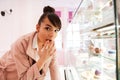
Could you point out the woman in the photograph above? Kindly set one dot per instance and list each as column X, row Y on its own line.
column 32, row 55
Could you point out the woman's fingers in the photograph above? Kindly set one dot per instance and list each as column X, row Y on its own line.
column 51, row 48
column 45, row 46
column 52, row 52
column 48, row 50
column 51, row 45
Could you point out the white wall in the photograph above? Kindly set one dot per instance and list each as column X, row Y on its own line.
column 22, row 20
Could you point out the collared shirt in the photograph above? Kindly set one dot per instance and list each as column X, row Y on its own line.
column 35, row 47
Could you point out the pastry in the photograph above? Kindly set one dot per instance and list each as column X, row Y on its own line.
column 97, row 74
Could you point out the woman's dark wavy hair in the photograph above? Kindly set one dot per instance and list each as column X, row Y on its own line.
column 49, row 12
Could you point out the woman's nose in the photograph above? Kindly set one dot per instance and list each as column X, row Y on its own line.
column 51, row 34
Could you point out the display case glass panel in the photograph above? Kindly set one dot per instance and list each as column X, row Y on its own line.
column 117, row 26
column 92, row 50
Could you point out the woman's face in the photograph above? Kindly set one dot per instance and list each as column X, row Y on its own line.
column 46, row 31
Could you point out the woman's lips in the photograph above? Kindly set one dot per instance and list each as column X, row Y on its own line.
column 48, row 40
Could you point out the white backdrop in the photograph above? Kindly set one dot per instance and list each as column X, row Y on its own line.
column 19, row 22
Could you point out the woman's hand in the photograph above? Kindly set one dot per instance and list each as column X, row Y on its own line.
column 47, row 51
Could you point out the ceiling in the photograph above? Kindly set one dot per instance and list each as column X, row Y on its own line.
column 61, row 3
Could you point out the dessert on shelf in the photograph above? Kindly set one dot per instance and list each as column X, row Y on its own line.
column 91, row 74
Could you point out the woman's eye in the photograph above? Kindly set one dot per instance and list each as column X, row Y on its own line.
column 56, row 30
column 47, row 28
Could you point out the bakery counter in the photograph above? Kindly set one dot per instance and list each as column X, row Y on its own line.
column 72, row 73
column 94, row 68
column 86, row 67
column 97, row 68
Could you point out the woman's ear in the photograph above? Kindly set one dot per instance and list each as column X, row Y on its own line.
column 37, row 27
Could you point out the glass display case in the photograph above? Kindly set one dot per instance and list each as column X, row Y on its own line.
column 117, row 26
column 92, row 43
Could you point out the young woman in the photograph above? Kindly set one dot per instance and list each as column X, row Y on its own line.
column 32, row 55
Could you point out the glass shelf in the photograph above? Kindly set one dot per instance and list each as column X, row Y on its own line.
column 82, row 59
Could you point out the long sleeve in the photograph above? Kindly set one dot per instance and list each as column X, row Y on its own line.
column 25, row 71
column 54, row 69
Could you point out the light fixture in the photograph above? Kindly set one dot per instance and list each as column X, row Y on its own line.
column 3, row 13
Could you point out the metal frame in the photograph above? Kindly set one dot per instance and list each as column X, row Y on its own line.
column 117, row 28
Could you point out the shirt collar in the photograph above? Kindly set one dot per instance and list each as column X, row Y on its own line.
column 35, row 47
column 35, row 43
